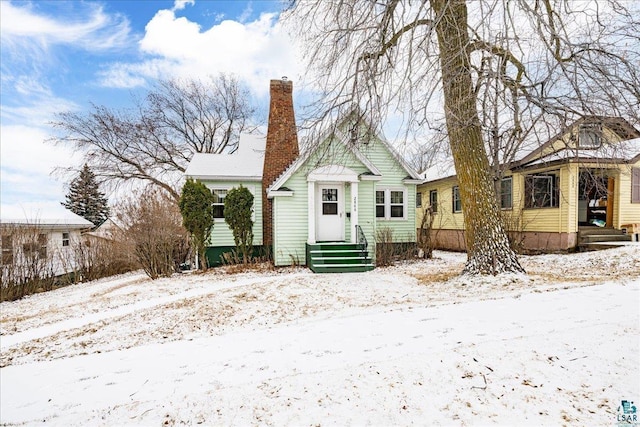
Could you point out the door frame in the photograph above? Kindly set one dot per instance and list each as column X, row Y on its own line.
column 341, row 210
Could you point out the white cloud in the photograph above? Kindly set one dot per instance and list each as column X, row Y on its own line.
column 255, row 51
column 27, row 164
column 181, row 4
column 246, row 13
column 90, row 28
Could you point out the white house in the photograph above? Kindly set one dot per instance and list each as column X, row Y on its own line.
column 42, row 236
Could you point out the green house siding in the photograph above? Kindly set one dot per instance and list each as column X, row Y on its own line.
column 367, row 214
column 393, row 175
column 221, row 234
column 291, row 214
column 290, row 224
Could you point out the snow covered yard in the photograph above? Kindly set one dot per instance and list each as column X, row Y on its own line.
column 410, row 344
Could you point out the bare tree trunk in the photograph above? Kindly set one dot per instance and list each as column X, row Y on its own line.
column 487, row 243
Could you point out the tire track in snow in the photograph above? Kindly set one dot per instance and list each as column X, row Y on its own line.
column 7, row 341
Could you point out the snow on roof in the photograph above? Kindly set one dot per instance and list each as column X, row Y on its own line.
column 50, row 214
column 624, row 150
column 245, row 163
column 440, row 167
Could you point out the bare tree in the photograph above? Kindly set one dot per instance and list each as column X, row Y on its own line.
column 524, row 60
column 152, row 228
column 154, row 142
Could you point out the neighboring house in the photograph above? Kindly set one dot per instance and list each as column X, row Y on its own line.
column 583, row 181
column 40, row 243
column 319, row 208
column 110, row 230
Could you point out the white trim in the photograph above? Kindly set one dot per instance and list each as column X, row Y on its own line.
column 311, row 212
column 333, row 173
column 252, row 178
column 227, row 187
column 412, row 181
column 387, row 203
column 344, row 139
column 341, row 207
column 413, row 173
column 354, row 211
column 364, row 177
column 279, row 193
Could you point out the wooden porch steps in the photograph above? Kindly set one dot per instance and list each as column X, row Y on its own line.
column 336, row 257
column 601, row 237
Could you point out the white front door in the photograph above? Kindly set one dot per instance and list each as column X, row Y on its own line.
column 330, row 212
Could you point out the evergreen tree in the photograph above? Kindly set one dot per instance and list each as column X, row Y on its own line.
column 86, row 199
column 196, row 207
column 238, row 208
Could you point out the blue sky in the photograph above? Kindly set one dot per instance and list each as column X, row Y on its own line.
column 64, row 55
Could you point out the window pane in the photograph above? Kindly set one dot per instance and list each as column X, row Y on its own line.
column 379, row 211
column 397, row 197
column 397, row 211
column 7, row 249
column 42, row 241
column 218, row 211
column 433, row 200
column 542, row 191
column 418, row 200
column 218, row 202
column 590, row 136
column 219, row 195
column 505, row 193
column 329, row 209
column 635, row 185
column 329, row 194
column 457, row 203
column 379, row 197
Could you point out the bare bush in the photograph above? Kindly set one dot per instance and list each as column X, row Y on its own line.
column 95, row 258
column 153, row 227
column 425, row 243
column 384, row 246
column 27, row 264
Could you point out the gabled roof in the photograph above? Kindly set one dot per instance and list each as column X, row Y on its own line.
column 625, row 150
column 245, row 164
column 619, row 126
column 344, row 139
column 621, row 152
column 302, row 159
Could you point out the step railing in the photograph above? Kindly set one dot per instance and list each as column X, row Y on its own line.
column 361, row 240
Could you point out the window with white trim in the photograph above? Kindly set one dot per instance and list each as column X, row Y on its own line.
column 635, row 185
column 506, row 193
column 380, row 204
column 218, row 202
column 65, row 238
column 433, row 200
column 542, row 191
column 590, row 136
column 35, row 249
column 7, row 249
column 455, row 197
column 391, row 203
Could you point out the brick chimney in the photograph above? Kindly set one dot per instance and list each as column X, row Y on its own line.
column 281, row 149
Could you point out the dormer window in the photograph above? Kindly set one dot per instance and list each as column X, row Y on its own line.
column 590, row 136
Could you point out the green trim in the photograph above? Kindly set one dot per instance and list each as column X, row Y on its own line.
column 214, row 253
column 338, row 258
